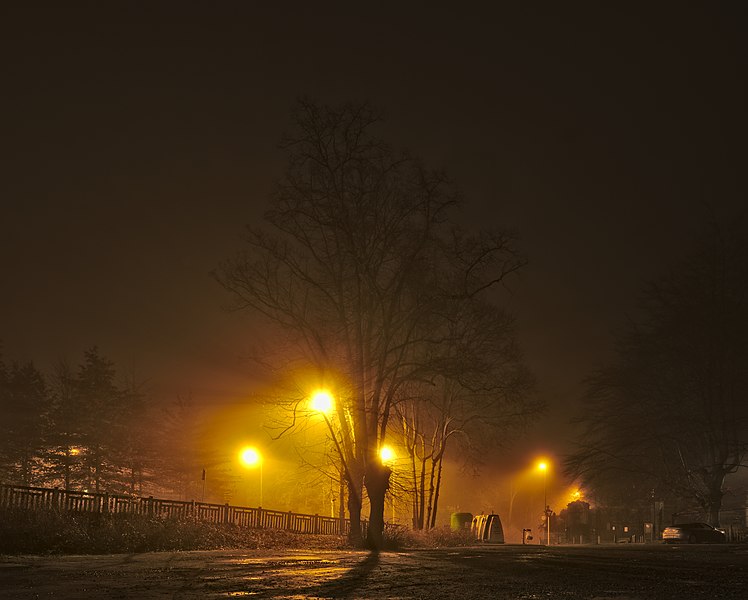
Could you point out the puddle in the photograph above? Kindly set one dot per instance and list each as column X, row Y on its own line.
column 318, row 571
column 290, row 562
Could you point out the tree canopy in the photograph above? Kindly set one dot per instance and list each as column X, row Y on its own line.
column 77, row 428
column 671, row 411
column 25, row 406
column 362, row 264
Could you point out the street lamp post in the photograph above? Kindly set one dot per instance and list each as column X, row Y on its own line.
column 544, row 468
column 251, row 457
column 512, row 495
column 322, row 402
column 388, row 457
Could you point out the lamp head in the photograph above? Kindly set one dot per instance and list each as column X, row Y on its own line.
column 321, row 401
column 250, row 457
column 386, row 455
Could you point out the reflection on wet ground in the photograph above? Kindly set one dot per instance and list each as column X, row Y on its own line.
column 265, row 576
column 516, row 573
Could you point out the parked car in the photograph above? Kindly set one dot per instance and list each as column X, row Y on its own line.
column 693, row 533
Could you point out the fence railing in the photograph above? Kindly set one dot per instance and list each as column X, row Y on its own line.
column 45, row 499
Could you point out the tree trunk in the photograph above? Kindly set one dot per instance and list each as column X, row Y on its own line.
column 414, row 502
column 422, row 495
column 431, row 493
column 377, row 482
column 714, row 498
column 96, row 470
column 25, row 469
column 341, row 503
column 437, row 487
column 354, row 511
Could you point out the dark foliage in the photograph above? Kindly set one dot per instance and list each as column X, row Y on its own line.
column 669, row 417
column 24, row 405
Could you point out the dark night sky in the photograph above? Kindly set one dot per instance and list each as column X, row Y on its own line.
column 137, row 142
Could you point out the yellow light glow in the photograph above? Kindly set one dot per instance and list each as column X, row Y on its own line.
column 386, row 454
column 75, row 451
column 321, row 401
column 250, row 456
column 543, row 466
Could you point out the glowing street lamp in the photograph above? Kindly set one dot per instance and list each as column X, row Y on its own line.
column 387, row 455
column 543, row 466
column 321, row 401
column 251, row 457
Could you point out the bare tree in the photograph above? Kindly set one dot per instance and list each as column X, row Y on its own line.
column 353, row 269
column 185, row 468
column 672, row 409
column 478, row 391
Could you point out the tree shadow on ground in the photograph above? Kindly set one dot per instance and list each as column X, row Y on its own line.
column 348, row 584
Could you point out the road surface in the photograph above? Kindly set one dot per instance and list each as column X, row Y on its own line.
column 500, row 572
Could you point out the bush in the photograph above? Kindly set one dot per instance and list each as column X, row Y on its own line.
column 440, row 537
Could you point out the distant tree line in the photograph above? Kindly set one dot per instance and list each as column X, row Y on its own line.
column 668, row 418
column 84, row 428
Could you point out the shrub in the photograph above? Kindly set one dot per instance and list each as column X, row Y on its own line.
column 440, row 537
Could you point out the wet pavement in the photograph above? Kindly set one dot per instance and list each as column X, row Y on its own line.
column 632, row 572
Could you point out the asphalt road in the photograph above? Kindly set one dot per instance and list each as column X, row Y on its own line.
column 501, row 572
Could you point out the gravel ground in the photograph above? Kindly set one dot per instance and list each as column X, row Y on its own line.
column 501, row 572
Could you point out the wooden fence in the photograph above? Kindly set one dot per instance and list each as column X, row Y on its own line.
column 44, row 499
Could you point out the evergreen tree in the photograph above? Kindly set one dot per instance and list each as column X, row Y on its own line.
column 24, row 404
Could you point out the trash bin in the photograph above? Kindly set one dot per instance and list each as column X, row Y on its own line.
column 460, row 520
column 487, row 528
